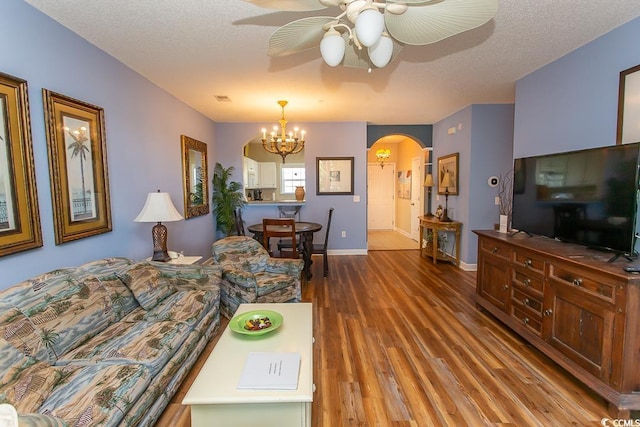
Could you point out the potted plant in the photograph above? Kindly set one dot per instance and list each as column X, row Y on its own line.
column 226, row 198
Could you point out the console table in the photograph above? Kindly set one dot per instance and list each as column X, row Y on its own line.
column 433, row 225
column 214, row 397
column 570, row 303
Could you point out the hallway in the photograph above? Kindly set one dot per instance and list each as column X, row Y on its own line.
column 388, row 240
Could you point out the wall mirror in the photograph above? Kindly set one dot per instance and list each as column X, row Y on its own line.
column 266, row 178
column 194, row 177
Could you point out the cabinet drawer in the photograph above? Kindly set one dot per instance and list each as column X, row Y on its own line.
column 530, row 321
column 523, row 299
column 497, row 249
column 529, row 262
column 528, row 281
column 602, row 288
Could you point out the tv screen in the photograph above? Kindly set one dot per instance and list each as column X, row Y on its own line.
column 587, row 197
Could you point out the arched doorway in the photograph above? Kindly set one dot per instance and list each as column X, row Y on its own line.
column 395, row 194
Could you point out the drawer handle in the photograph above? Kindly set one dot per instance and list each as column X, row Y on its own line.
column 577, row 282
column 494, row 250
column 527, row 263
column 525, row 301
column 527, row 281
column 505, row 287
column 525, row 320
column 548, row 312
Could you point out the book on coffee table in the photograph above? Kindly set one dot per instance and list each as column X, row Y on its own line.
column 270, row 371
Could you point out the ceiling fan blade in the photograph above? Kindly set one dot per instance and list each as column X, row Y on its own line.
column 298, row 35
column 289, row 5
column 431, row 22
column 354, row 57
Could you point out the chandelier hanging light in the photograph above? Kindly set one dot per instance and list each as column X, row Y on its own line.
column 383, row 155
column 282, row 143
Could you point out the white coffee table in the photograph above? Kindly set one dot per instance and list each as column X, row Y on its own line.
column 214, row 397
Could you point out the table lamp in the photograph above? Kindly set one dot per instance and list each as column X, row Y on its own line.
column 428, row 182
column 446, row 183
column 159, row 208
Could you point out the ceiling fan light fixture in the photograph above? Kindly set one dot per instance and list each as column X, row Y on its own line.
column 332, row 47
column 380, row 53
column 369, row 26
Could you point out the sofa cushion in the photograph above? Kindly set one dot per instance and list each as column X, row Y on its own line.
column 97, row 394
column 147, row 284
column 147, row 343
column 121, row 300
column 19, row 338
column 26, row 385
column 183, row 306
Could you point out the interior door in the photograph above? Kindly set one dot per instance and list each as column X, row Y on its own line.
column 380, row 196
column 416, row 197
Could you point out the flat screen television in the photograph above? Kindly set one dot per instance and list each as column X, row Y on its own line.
column 588, row 197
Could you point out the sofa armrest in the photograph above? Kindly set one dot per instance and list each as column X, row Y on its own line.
column 240, row 278
column 39, row 420
column 190, row 276
column 292, row 267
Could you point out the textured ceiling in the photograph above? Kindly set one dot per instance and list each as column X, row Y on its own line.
column 200, row 49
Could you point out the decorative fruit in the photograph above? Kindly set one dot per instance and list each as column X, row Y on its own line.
column 257, row 324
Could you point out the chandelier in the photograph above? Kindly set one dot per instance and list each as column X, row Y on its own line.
column 383, row 155
column 282, row 143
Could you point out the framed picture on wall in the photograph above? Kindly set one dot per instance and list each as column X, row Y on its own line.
column 19, row 216
column 334, row 175
column 628, row 106
column 77, row 167
column 448, row 174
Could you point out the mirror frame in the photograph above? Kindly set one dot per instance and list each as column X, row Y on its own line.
column 192, row 209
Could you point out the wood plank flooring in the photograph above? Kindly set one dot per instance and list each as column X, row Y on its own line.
column 400, row 342
column 387, row 240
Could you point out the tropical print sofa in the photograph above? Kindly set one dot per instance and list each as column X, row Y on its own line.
column 250, row 275
column 107, row 343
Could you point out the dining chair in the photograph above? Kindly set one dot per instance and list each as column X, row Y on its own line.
column 281, row 228
column 321, row 248
column 237, row 214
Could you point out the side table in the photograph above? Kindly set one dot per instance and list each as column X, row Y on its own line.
column 433, row 225
column 182, row 260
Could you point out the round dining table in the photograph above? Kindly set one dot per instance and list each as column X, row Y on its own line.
column 305, row 230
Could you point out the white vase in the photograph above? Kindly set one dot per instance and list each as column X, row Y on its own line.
column 504, row 223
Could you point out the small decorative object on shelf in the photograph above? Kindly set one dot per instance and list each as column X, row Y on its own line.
column 300, row 193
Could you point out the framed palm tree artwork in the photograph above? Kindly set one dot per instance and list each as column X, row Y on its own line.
column 77, row 167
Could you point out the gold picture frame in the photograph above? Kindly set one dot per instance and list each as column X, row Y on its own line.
column 195, row 179
column 19, row 216
column 448, row 165
column 77, row 167
column 628, row 129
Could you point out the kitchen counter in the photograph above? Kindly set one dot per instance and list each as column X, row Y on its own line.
column 275, row 203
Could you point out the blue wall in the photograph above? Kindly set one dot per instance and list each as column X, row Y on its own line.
column 572, row 103
column 483, row 140
column 143, row 128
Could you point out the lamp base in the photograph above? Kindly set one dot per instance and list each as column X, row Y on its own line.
column 159, row 233
column 445, row 217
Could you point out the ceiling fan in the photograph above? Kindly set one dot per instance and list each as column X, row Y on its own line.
column 382, row 27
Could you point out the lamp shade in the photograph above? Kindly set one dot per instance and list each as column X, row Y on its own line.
column 332, row 47
column 428, row 180
column 158, row 208
column 446, row 180
column 381, row 51
column 369, row 26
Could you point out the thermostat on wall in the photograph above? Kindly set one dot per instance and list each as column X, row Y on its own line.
column 493, row 181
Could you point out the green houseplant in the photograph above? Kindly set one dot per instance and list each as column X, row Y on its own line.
column 226, row 198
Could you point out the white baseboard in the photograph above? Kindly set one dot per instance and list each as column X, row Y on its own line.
column 347, row 252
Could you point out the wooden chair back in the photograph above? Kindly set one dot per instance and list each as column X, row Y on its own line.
column 281, row 228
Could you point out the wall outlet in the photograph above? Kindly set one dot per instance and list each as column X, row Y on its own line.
column 497, row 200
column 356, row 199
column 344, row 233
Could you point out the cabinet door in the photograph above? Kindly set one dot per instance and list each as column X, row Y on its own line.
column 268, row 174
column 251, row 173
column 494, row 281
column 582, row 328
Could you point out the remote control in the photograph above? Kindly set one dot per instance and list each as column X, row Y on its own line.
column 632, row 269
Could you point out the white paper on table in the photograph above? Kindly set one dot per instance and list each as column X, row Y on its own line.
column 270, row 371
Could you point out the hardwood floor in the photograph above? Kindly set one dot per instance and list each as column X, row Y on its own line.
column 383, row 240
column 399, row 342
